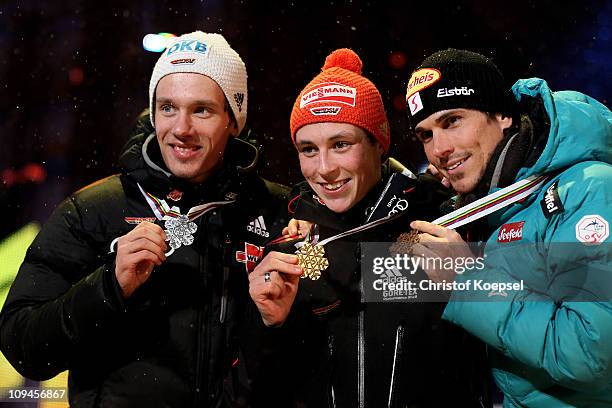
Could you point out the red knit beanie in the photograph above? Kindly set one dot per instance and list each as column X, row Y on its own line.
column 340, row 94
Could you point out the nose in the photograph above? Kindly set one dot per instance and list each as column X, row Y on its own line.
column 182, row 125
column 327, row 164
column 442, row 144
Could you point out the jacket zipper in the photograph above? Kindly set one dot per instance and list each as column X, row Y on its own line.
column 202, row 332
column 361, row 344
column 224, row 289
column 199, row 358
column 361, row 361
column 332, row 357
column 397, row 357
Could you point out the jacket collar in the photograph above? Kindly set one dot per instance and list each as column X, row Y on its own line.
column 142, row 161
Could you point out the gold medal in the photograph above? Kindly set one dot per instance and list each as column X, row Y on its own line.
column 312, row 260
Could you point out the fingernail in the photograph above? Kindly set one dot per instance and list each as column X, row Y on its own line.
column 297, row 268
column 412, row 224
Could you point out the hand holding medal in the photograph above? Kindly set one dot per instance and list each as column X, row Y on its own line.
column 273, row 286
column 437, row 239
column 138, row 252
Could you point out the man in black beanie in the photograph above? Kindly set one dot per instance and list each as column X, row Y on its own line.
column 531, row 169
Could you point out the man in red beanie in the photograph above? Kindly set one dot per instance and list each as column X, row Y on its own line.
column 340, row 348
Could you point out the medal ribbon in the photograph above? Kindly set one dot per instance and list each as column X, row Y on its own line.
column 179, row 227
column 491, row 202
column 363, row 227
column 163, row 211
column 311, row 254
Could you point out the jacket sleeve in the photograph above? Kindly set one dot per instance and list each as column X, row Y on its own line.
column 63, row 296
column 562, row 324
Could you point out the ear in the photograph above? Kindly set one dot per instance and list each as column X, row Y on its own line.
column 504, row 121
column 381, row 151
column 233, row 128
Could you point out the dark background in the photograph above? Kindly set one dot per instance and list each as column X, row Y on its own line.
column 74, row 75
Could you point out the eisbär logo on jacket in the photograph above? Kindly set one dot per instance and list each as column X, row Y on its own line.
column 330, row 92
column 511, row 232
column 251, row 255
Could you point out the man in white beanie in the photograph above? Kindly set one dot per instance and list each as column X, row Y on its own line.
column 137, row 283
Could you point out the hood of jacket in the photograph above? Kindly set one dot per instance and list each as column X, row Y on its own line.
column 580, row 128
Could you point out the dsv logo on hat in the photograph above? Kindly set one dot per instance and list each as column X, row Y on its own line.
column 188, row 46
column 325, row 110
column 183, row 61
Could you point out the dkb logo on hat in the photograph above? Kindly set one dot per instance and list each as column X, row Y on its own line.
column 188, row 46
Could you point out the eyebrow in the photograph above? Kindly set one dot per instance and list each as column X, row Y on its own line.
column 443, row 117
column 205, row 102
column 439, row 119
column 336, row 136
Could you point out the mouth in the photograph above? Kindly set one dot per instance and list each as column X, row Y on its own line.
column 456, row 165
column 332, row 187
column 184, row 151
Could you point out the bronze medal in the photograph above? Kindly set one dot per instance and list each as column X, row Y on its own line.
column 404, row 243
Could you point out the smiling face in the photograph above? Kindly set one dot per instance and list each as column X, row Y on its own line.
column 339, row 162
column 460, row 142
column 192, row 124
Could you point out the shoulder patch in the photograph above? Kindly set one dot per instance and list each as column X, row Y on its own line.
column 551, row 203
column 592, row 229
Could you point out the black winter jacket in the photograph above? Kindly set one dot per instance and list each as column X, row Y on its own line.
column 173, row 343
column 344, row 352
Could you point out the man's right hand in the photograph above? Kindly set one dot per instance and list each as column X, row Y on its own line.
column 273, row 285
column 138, row 252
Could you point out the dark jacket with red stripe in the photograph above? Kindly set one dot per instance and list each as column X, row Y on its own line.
column 345, row 352
column 174, row 342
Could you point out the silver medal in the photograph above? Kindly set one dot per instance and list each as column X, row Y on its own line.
column 179, row 231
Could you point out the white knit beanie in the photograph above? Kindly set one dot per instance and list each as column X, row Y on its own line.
column 207, row 54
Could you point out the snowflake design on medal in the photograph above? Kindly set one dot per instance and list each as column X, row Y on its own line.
column 179, row 231
column 312, row 260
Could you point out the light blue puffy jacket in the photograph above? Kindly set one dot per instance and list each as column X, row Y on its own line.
column 548, row 348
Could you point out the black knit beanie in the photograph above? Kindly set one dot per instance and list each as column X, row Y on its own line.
column 453, row 79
